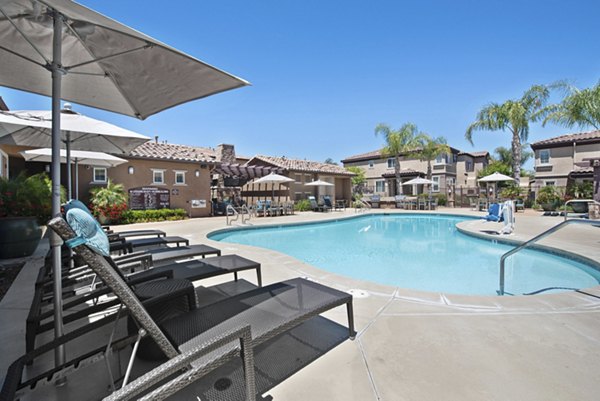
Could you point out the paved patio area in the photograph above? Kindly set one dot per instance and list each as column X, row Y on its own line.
column 415, row 345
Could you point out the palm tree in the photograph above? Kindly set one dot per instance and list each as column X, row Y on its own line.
column 430, row 149
column 505, row 156
column 514, row 116
column 580, row 107
column 399, row 142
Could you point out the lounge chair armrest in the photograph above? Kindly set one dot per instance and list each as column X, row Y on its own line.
column 148, row 275
column 191, row 374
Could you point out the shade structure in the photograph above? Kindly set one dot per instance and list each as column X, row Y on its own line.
column 83, row 157
column 108, row 65
column 34, row 128
column 496, row 177
column 418, row 181
column 61, row 49
column 319, row 183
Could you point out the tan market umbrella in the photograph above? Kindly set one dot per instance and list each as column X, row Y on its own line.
column 62, row 49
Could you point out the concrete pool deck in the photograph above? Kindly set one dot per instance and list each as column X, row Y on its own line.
column 415, row 345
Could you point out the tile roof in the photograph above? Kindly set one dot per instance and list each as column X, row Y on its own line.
column 583, row 137
column 302, row 165
column 482, row 153
column 404, row 172
column 168, row 151
column 375, row 154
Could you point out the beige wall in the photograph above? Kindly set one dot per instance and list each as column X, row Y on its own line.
column 562, row 162
column 181, row 195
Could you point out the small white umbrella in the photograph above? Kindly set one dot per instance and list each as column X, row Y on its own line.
column 319, row 183
column 495, row 178
column 274, row 179
column 418, row 181
column 86, row 158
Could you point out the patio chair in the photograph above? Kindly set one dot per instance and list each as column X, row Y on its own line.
column 494, row 213
column 519, row 205
column 315, row 207
column 271, row 312
column 375, row 202
column 400, row 201
column 327, row 205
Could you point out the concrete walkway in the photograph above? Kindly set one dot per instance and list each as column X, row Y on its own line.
column 415, row 345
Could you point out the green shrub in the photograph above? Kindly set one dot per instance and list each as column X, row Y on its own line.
column 108, row 203
column 512, row 191
column 442, row 200
column 549, row 197
column 144, row 216
column 302, row 205
column 27, row 196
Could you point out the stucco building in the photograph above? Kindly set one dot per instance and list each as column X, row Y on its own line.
column 562, row 160
column 449, row 171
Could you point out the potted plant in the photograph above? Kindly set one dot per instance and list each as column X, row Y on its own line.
column 548, row 198
column 25, row 204
column 108, row 203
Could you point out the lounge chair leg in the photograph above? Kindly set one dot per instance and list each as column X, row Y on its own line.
column 350, row 309
column 141, row 333
column 235, row 276
column 259, row 276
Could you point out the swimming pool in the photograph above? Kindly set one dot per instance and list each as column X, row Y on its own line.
column 424, row 252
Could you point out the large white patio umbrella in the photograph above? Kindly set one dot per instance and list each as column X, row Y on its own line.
column 495, row 178
column 83, row 157
column 418, row 181
column 319, row 183
column 274, row 179
column 34, row 128
column 104, row 64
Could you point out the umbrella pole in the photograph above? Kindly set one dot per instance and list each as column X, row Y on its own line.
column 69, row 180
column 55, row 242
column 76, row 179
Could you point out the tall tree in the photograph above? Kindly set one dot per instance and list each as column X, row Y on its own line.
column 579, row 107
column 403, row 141
column 514, row 116
column 430, row 148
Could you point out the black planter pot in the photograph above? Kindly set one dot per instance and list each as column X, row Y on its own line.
column 19, row 236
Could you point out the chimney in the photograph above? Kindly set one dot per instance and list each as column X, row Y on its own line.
column 225, row 153
column 155, row 138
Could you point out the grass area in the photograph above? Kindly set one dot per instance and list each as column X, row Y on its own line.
column 8, row 273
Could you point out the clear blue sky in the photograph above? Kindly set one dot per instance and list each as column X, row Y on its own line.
column 325, row 73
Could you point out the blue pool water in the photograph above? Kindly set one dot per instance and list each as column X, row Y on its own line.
column 423, row 252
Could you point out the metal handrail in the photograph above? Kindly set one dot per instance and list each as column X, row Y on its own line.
column 535, row 239
column 365, row 205
column 588, row 201
column 245, row 211
column 228, row 209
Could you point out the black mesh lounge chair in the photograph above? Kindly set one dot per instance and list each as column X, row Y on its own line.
column 327, row 205
column 314, row 205
column 141, row 233
column 270, row 311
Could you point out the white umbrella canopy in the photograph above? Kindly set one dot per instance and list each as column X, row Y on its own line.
column 273, row 177
column 319, row 183
column 108, row 65
column 34, row 128
column 83, row 157
column 496, row 177
column 418, row 181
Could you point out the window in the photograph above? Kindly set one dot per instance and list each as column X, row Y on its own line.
column 454, row 157
column 298, row 178
column 469, row 165
column 371, row 163
column 550, row 183
column 99, row 174
column 180, row 177
column 380, row 186
column 391, row 163
column 435, row 187
column 158, row 176
column 545, row 156
column 441, row 159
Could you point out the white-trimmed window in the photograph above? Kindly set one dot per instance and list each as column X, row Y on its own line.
column 180, row 177
column 435, row 187
column 545, row 156
column 441, row 159
column 100, row 174
column 298, row 178
column 371, row 163
column 550, row 183
column 391, row 162
column 469, row 166
column 158, row 176
column 380, row 186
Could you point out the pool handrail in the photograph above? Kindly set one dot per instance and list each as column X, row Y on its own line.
column 533, row 240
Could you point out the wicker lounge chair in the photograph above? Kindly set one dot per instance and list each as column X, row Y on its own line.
column 375, row 202
column 270, row 311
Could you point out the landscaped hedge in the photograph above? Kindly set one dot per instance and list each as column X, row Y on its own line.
column 143, row 216
column 302, row 205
